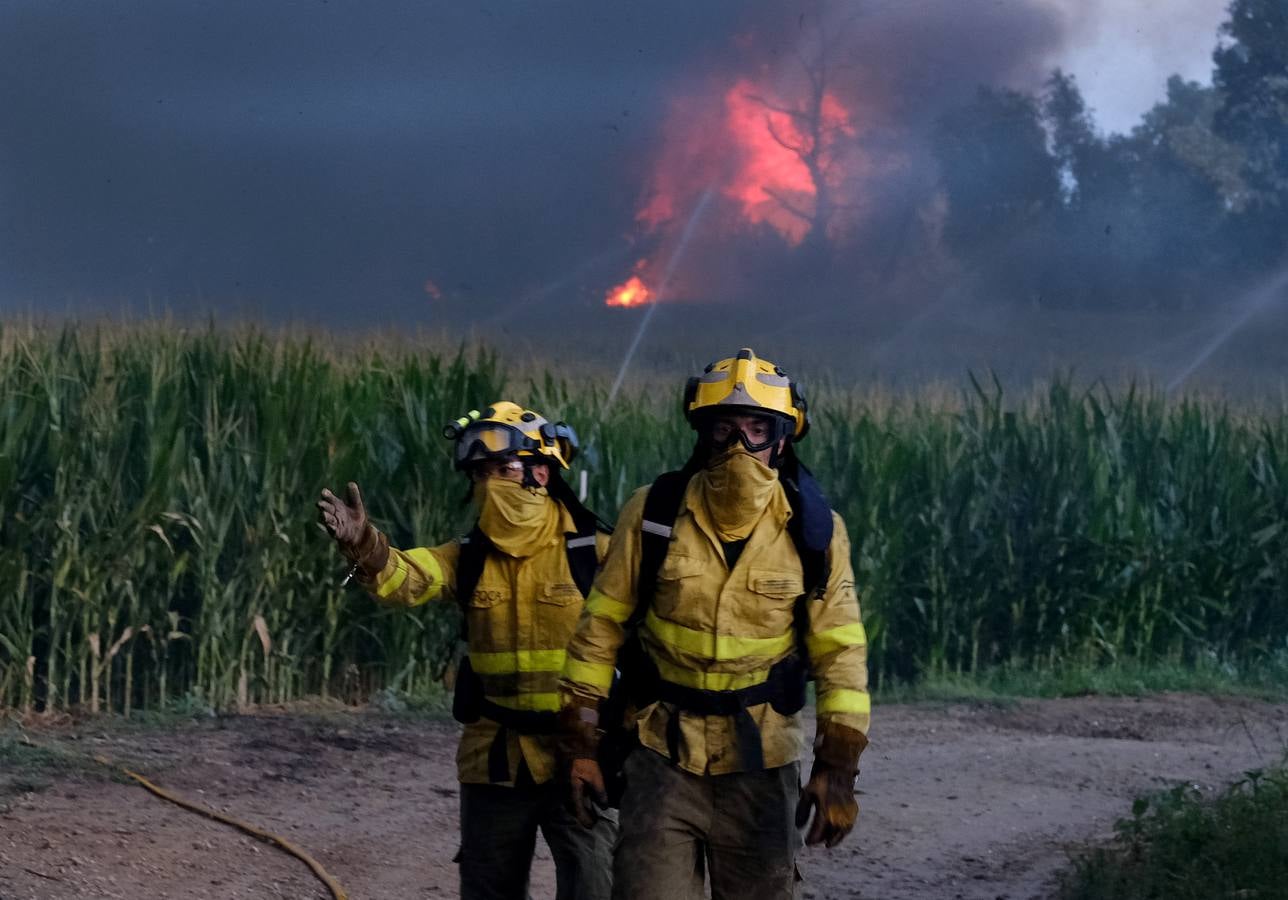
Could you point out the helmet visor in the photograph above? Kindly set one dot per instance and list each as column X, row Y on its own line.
column 490, row 440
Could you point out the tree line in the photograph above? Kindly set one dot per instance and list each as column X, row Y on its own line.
column 1190, row 207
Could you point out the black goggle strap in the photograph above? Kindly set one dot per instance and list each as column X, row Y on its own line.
column 774, row 457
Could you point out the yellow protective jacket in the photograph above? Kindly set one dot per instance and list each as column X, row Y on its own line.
column 713, row 628
column 521, row 616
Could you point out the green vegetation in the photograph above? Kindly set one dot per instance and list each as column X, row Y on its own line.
column 26, row 767
column 157, row 536
column 1179, row 845
column 1265, row 679
column 1189, row 208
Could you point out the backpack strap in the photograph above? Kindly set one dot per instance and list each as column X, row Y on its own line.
column 810, row 526
column 582, row 549
column 661, row 507
column 811, row 531
column 475, row 547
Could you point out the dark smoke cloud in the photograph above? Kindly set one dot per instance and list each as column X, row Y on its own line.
column 322, row 160
column 916, row 58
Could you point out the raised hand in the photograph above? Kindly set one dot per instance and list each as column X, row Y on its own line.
column 344, row 520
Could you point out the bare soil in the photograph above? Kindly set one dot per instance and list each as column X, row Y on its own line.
column 959, row 800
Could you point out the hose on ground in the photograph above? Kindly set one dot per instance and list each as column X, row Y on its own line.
column 337, row 892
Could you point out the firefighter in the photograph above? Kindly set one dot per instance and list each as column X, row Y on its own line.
column 726, row 585
column 519, row 577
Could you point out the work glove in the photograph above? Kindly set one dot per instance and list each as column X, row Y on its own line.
column 359, row 540
column 578, row 749
column 830, row 789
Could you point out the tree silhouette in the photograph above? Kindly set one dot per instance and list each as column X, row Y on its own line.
column 817, row 135
column 1252, row 75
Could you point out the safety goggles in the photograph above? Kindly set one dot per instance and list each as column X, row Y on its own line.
column 755, row 432
column 490, row 440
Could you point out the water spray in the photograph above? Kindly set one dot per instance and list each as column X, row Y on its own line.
column 671, row 264
column 1259, row 300
column 590, row 454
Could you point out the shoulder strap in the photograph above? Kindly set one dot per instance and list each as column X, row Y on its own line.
column 810, row 527
column 580, row 545
column 811, row 531
column 583, row 558
column 661, row 506
column 469, row 568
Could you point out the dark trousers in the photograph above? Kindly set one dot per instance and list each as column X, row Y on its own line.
column 676, row 826
column 499, row 833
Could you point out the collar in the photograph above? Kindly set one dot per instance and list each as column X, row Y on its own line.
column 774, row 516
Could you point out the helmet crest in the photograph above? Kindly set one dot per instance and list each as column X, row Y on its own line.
column 746, row 384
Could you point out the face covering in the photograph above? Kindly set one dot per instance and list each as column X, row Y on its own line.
column 736, row 488
column 518, row 520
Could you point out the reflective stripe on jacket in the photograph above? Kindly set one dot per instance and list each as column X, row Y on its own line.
column 719, row 629
column 520, row 619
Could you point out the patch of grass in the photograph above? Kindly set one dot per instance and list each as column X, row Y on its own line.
column 430, row 701
column 1266, row 679
column 177, row 712
column 29, row 767
column 1179, row 845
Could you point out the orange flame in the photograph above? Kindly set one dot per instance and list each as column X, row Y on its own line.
column 755, row 147
column 631, row 292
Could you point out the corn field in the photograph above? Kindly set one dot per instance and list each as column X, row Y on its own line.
column 158, row 537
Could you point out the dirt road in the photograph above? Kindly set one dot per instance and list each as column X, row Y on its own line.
column 963, row 800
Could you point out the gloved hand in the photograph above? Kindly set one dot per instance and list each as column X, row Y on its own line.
column 586, row 783
column 358, row 539
column 830, row 789
column 578, row 749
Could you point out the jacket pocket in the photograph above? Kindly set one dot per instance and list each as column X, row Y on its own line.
column 559, row 594
column 676, row 567
column 681, row 594
column 776, row 583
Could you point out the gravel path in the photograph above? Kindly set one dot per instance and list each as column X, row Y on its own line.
column 959, row 800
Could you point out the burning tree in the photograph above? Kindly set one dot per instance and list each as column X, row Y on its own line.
column 780, row 149
column 817, row 133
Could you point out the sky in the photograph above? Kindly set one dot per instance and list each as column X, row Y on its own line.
column 1122, row 51
column 361, row 164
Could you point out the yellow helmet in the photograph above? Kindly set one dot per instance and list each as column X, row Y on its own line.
column 506, row 428
column 746, row 384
